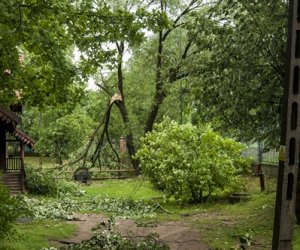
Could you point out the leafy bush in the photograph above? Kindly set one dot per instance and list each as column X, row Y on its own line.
column 190, row 163
column 43, row 182
column 40, row 182
column 9, row 211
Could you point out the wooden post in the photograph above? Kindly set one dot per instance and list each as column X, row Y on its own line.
column 2, row 149
column 261, row 177
column 122, row 148
column 7, row 153
column 22, row 147
column 290, row 138
column 260, row 168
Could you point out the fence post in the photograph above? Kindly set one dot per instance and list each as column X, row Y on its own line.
column 260, row 168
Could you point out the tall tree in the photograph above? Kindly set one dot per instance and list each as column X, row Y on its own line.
column 166, row 18
column 239, row 87
column 161, row 89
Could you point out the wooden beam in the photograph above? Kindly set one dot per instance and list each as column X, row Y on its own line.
column 2, row 149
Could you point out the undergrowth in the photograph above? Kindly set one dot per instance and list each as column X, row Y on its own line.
column 44, row 182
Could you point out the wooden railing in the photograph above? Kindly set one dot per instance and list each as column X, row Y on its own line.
column 13, row 164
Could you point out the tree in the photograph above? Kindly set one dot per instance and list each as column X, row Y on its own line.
column 239, row 87
column 162, row 23
column 59, row 132
column 38, row 31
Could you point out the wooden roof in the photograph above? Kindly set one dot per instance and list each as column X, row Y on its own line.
column 22, row 136
column 9, row 119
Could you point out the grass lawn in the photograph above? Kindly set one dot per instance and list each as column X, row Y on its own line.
column 35, row 235
column 221, row 225
column 136, row 188
column 44, row 162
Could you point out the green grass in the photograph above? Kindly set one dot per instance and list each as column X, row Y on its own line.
column 35, row 235
column 220, row 224
column 136, row 188
column 228, row 222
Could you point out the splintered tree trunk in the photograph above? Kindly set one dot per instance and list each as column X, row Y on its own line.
column 129, row 136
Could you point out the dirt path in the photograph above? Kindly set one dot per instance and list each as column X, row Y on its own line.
column 176, row 234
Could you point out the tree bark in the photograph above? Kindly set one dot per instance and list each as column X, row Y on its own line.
column 129, row 136
column 160, row 87
column 124, row 113
column 160, row 91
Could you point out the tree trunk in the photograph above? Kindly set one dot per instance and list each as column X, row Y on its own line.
column 160, row 91
column 124, row 113
column 160, row 87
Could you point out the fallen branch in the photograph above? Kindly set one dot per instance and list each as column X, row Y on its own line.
column 104, row 122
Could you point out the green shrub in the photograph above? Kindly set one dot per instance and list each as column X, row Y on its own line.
column 43, row 182
column 190, row 163
column 9, row 211
column 40, row 182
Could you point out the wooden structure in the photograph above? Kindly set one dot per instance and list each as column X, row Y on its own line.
column 12, row 165
column 286, row 207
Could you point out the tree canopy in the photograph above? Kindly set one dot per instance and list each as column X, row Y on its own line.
column 200, row 61
column 242, row 78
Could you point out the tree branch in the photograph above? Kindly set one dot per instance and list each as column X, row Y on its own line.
column 275, row 64
column 106, row 90
column 187, row 10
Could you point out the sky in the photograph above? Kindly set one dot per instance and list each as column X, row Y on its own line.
column 91, row 82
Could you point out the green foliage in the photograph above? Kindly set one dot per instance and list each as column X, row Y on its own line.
column 59, row 131
column 64, row 135
column 38, row 30
column 239, row 79
column 10, row 209
column 123, row 207
column 43, row 182
column 40, row 209
column 40, row 182
column 190, row 163
column 64, row 207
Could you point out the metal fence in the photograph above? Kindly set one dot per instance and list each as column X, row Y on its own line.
column 269, row 157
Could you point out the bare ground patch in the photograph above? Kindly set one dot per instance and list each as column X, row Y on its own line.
column 177, row 235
